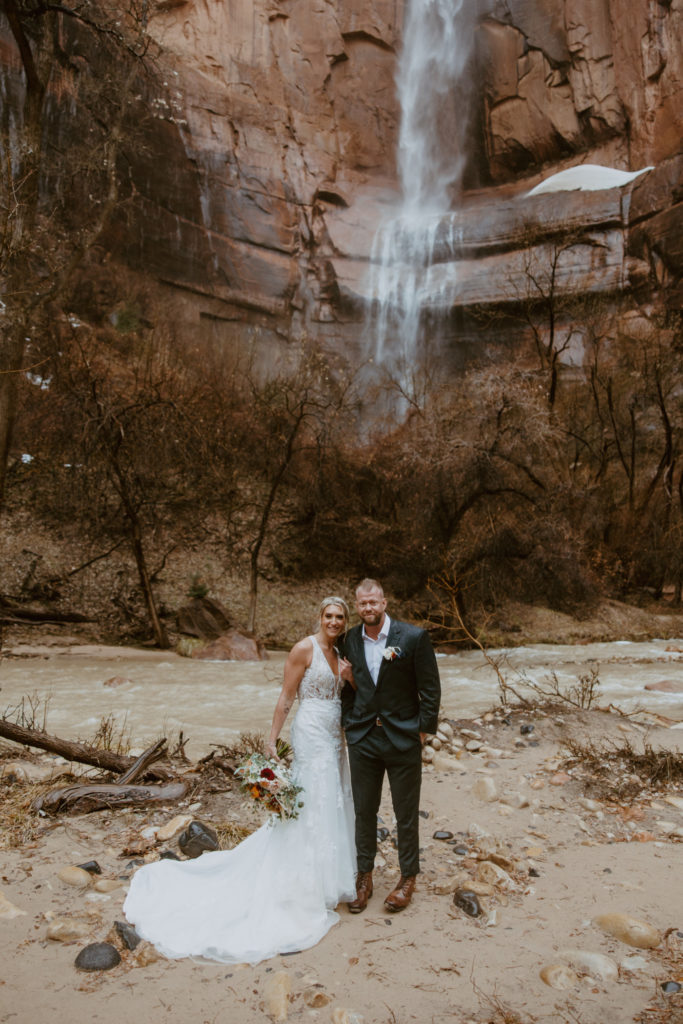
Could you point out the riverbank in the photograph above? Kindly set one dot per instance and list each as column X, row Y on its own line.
column 546, row 844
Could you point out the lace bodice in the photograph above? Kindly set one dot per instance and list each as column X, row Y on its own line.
column 319, row 680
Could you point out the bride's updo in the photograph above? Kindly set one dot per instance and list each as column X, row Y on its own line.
column 326, row 601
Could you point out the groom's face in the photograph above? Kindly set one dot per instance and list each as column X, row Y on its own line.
column 370, row 605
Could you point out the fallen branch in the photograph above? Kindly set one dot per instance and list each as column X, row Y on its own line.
column 84, row 799
column 79, row 752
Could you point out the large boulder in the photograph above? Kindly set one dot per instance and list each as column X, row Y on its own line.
column 232, row 646
column 203, row 618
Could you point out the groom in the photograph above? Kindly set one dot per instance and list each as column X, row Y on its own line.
column 387, row 714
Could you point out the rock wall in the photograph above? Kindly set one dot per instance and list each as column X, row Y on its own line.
column 270, row 159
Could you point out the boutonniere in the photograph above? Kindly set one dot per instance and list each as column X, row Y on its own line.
column 389, row 653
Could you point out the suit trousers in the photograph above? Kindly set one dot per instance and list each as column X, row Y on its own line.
column 369, row 759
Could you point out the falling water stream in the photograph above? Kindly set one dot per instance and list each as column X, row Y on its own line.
column 433, row 96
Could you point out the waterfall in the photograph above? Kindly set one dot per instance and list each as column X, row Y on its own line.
column 407, row 271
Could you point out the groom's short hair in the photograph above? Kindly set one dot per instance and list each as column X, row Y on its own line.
column 368, row 584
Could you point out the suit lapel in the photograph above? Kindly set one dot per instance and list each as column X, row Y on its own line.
column 392, row 641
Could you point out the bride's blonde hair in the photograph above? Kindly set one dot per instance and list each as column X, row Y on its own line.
column 326, row 601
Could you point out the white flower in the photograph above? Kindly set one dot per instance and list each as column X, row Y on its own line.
column 389, row 653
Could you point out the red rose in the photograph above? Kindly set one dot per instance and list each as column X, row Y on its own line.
column 267, row 773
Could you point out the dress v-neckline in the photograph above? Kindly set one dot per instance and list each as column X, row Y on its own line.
column 335, row 675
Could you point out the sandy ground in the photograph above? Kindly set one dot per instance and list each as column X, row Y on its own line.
column 545, row 855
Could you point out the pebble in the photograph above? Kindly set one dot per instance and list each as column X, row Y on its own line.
column 116, row 681
column 629, row 929
column 442, row 834
column 489, row 872
column 65, row 929
column 669, row 987
column 276, row 994
column 445, row 731
column 91, row 866
column 315, row 998
column 127, row 934
column 168, row 830
column 596, row 964
column 473, row 746
column 471, row 734
column 590, row 805
column 340, row 1015
column 468, row 901
column 485, row 789
column 98, row 956
column 444, row 762
column 427, row 754
column 8, row 910
column 634, row 962
column 559, row 779
column 675, row 801
column 559, row 976
column 436, row 743
column 526, row 729
column 537, row 784
column 197, row 838
column 75, row 876
column 107, row 884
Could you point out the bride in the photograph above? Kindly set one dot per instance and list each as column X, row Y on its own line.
column 275, row 892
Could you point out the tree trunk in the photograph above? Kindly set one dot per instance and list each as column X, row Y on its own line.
column 70, row 750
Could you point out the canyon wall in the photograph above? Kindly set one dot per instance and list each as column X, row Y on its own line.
column 270, row 156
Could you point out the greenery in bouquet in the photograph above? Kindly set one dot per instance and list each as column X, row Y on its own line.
column 270, row 784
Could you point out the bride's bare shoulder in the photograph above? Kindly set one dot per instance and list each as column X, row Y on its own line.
column 302, row 651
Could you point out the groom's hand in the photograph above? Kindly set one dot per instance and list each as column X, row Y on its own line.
column 423, row 737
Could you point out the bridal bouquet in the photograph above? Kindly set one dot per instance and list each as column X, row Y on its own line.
column 270, row 784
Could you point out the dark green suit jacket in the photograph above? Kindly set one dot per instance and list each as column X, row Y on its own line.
column 406, row 698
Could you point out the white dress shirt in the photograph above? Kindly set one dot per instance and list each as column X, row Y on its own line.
column 374, row 649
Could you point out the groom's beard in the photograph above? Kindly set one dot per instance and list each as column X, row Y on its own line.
column 372, row 618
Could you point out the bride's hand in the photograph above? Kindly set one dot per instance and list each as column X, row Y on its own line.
column 346, row 672
column 271, row 751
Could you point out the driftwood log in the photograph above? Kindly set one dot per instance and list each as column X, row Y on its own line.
column 83, row 798
column 97, row 797
column 79, row 752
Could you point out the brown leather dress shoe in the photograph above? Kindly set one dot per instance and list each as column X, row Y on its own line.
column 399, row 898
column 363, row 892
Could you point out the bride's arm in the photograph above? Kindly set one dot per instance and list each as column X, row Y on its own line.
column 298, row 660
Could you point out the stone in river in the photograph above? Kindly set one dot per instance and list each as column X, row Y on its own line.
column 98, row 956
column 468, row 901
column 629, row 929
column 559, row 976
column 666, row 686
column 197, row 838
column 442, row 834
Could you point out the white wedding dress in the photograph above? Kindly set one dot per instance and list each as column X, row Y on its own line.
column 275, row 892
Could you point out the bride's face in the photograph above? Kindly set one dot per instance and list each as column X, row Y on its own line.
column 332, row 621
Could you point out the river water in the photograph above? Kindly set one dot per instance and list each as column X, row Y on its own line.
column 161, row 693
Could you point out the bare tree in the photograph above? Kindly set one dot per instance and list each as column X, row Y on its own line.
column 60, row 178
